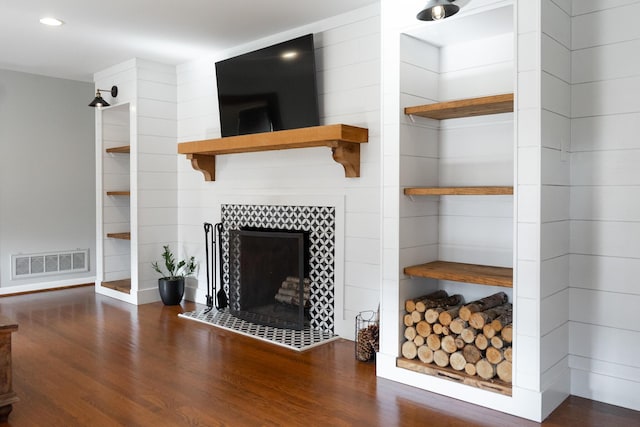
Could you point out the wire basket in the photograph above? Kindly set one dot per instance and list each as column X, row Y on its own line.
column 367, row 335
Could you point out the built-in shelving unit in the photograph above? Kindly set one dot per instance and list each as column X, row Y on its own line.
column 455, row 271
column 461, row 272
column 344, row 141
column 481, row 106
column 114, row 146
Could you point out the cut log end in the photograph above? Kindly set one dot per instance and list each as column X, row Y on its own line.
column 504, row 371
column 485, row 369
column 409, row 350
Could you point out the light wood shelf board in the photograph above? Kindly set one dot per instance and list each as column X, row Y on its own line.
column 344, row 141
column 122, row 236
column 123, row 285
column 458, row 191
column 494, row 385
column 461, row 272
column 122, row 149
column 481, row 106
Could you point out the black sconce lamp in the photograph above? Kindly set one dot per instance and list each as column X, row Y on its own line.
column 98, row 101
column 436, row 10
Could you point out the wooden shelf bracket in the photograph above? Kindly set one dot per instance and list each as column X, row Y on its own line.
column 204, row 163
column 348, row 155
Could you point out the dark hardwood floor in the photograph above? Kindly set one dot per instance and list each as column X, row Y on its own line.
column 81, row 359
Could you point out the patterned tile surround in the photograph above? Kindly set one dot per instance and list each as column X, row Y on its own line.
column 319, row 221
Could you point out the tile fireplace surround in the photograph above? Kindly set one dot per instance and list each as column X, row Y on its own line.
column 320, row 222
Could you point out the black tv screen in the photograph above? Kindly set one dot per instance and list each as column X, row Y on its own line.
column 269, row 89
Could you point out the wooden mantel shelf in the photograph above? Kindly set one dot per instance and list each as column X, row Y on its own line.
column 494, row 104
column 344, row 141
column 466, row 273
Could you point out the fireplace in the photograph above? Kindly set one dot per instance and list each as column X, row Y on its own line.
column 317, row 225
column 268, row 280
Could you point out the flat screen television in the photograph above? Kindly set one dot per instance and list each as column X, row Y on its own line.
column 269, row 89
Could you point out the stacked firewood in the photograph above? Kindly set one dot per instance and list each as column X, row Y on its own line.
column 289, row 291
column 475, row 337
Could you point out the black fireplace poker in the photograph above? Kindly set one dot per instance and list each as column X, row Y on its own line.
column 218, row 298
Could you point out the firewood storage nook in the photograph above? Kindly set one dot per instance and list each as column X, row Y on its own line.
column 467, row 343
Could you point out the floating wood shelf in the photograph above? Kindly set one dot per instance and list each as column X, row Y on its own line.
column 458, row 191
column 344, row 141
column 123, row 285
column 451, row 374
column 118, row 193
column 123, row 236
column 123, row 149
column 464, row 107
column 467, row 273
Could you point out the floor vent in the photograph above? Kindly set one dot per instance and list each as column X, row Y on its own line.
column 49, row 264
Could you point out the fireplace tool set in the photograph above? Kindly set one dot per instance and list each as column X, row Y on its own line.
column 213, row 246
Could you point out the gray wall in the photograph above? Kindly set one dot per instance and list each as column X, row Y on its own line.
column 47, row 172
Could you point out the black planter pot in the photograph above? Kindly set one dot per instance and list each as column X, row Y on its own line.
column 171, row 290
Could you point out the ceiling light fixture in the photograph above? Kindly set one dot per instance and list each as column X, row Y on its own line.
column 52, row 22
column 436, row 10
column 98, row 101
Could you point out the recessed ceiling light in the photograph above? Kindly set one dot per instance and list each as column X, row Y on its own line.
column 52, row 22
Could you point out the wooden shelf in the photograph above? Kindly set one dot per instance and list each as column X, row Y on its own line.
column 464, row 107
column 467, row 273
column 123, row 149
column 118, row 193
column 123, row 285
column 458, row 191
column 451, row 374
column 123, row 236
column 344, row 141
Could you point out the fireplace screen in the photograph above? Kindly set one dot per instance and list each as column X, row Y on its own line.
column 268, row 282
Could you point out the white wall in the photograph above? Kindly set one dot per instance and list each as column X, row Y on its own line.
column 149, row 88
column 348, row 62
column 46, row 174
column 555, row 86
column 605, row 202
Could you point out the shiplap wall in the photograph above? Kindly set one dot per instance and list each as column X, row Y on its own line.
column 150, row 90
column 554, row 202
column 605, row 202
column 348, row 64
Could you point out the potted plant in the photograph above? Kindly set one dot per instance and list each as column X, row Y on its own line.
column 171, row 284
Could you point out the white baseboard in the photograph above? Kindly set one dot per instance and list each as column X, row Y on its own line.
column 44, row 286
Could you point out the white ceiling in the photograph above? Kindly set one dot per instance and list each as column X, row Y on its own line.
column 97, row 35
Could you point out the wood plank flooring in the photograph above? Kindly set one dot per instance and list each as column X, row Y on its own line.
column 82, row 359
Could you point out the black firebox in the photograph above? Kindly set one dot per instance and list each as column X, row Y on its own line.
column 268, row 280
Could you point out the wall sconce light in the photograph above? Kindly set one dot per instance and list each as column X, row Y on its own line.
column 436, row 10
column 98, row 101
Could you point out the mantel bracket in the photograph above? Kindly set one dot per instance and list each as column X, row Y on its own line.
column 204, row 163
column 348, row 155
